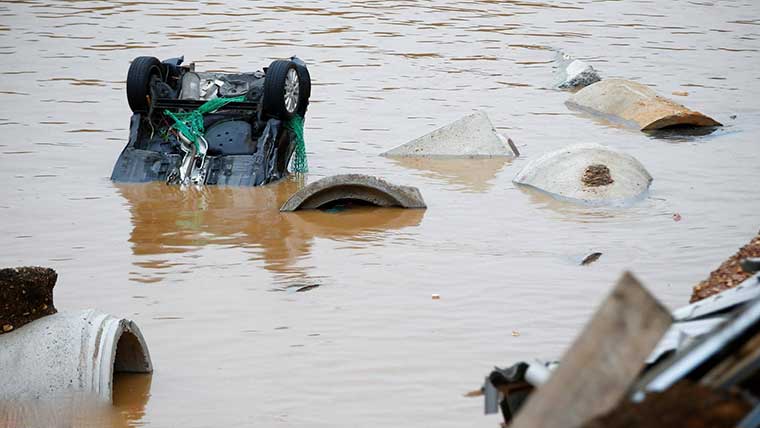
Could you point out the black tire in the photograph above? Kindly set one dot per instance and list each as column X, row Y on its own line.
column 275, row 91
column 138, row 82
column 305, row 94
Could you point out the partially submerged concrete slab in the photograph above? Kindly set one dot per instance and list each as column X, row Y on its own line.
column 70, row 352
column 354, row 187
column 587, row 173
column 571, row 73
column 26, row 294
column 636, row 105
column 469, row 137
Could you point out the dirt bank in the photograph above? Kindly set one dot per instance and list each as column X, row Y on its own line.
column 729, row 274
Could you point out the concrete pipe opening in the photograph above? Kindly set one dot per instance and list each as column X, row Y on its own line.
column 353, row 190
column 70, row 353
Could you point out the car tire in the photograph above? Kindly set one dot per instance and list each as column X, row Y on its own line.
column 305, row 93
column 282, row 90
column 140, row 73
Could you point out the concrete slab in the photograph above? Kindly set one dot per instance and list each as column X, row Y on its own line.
column 571, row 73
column 70, row 353
column 471, row 136
column 587, row 173
column 354, row 187
column 636, row 105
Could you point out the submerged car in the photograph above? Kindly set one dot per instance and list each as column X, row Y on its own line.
column 191, row 127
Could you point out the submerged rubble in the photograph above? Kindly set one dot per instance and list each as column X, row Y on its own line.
column 729, row 274
column 702, row 371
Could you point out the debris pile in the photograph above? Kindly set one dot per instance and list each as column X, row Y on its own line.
column 636, row 364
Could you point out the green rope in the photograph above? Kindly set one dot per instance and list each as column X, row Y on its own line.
column 300, row 164
column 190, row 124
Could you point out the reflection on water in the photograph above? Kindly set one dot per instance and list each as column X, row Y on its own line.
column 71, row 411
column 168, row 219
column 685, row 134
column 472, row 175
column 131, row 392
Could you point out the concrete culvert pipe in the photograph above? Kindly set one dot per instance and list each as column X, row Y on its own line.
column 354, row 188
column 636, row 105
column 70, row 353
column 587, row 173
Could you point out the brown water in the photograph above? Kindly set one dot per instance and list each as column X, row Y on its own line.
column 210, row 275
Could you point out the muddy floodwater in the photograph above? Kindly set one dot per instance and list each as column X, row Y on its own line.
column 210, row 275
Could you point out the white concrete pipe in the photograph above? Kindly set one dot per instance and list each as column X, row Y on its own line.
column 70, row 352
column 587, row 173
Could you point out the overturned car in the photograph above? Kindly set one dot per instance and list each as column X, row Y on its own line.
column 192, row 127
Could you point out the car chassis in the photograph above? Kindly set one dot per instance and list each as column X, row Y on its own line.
column 191, row 127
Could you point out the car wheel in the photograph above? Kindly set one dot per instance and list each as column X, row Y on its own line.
column 282, row 90
column 140, row 73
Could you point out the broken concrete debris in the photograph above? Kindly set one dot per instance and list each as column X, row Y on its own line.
column 353, row 188
column 469, row 137
column 48, row 354
column 26, row 294
column 636, row 105
column 573, row 73
column 587, row 173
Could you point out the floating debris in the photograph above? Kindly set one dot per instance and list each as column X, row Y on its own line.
column 591, row 258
